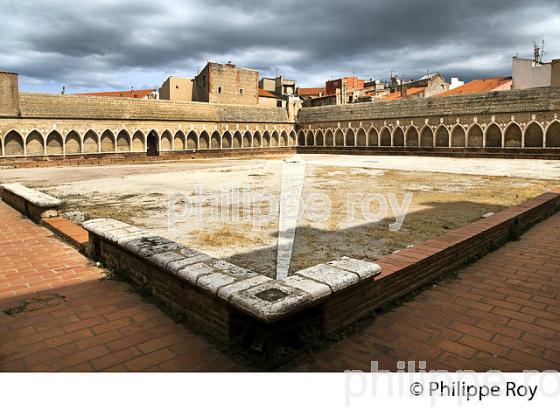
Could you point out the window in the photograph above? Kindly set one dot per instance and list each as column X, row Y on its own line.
column 204, row 81
column 279, row 103
column 241, row 91
column 219, row 90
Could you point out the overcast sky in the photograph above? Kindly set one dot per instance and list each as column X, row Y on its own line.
column 116, row 44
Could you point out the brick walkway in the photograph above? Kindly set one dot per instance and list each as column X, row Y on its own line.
column 501, row 312
column 82, row 322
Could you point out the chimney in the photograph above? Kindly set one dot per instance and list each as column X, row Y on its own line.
column 403, row 91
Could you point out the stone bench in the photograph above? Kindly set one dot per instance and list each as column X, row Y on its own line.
column 34, row 204
column 213, row 293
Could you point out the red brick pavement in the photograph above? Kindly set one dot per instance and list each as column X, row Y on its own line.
column 98, row 325
column 502, row 312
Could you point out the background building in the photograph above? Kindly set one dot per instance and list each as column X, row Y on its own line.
column 177, row 89
column 226, row 84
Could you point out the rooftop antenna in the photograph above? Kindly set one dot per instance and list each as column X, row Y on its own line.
column 63, row 90
column 537, row 57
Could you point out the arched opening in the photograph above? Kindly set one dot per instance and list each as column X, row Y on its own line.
column 426, row 137
column 91, row 142
column 475, row 139
column 350, row 138
column 107, row 141
column 237, row 139
column 179, row 141
column 309, row 139
column 192, row 140
column 247, row 139
column 329, row 139
column 34, row 144
column 274, row 140
column 266, row 139
column 534, row 136
column 152, row 143
column 138, row 142
column 493, row 136
column 257, row 139
column 292, row 140
column 373, row 138
column 398, row 137
column 339, row 138
column 411, row 137
column 553, row 135
column 123, row 141
column 512, row 136
column 301, row 138
column 13, row 144
column 215, row 140
column 385, row 137
column 458, row 136
column 361, row 138
column 204, row 140
column 166, row 141
column 226, row 140
column 283, row 139
column 73, row 144
column 54, row 144
column 442, row 137
column 319, row 138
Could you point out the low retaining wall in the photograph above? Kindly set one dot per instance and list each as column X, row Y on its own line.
column 34, row 204
column 516, row 153
column 138, row 157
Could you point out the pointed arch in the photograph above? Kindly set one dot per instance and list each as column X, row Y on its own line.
column 153, row 143
column 247, row 139
column 179, row 141
column 166, row 141
column 283, row 139
column 204, row 140
column 329, row 138
column 426, row 136
column 274, row 140
column 226, row 140
column 534, row 135
column 412, row 136
column 55, row 144
column 475, row 136
column 91, row 142
column 319, row 139
column 385, row 137
column 361, row 137
column 309, row 139
column 192, row 140
column 350, row 138
column 72, row 143
column 123, row 141
column 237, row 138
column 266, row 139
column 107, row 141
column 338, row 138
column 138, row 142
column 398, row 137
column 513, row 136
column 458, row 136
column 373, row 137
column 442, row 136
column 13, row 144
column 301, row 138
column 34, row 144
column 257, row 139
column 493, row 136
column 553, row 134
column 292, row 139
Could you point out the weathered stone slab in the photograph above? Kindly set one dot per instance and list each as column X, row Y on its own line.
column 225, row 292
column 316, row 289
column 270, row 300
column 37, row 198
column 177, row 265
column 333, row 277
column 214, row 281
column 363, row 269
column 192, row 272
column 231, row 269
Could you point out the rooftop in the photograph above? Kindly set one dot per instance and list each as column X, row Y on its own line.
column 481, row 85
column 124, row 94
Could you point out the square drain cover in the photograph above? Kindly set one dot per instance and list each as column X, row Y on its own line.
column 271, row 295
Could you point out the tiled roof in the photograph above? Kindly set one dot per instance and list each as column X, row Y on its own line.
column 409, row 91
column 310, row 91
column 125, row 93
column 482, row 85
column 266, row 93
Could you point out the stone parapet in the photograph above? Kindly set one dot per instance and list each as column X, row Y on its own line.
column 34, row 204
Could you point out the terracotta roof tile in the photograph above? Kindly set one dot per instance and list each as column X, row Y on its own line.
column 310, row 91
column 482, row 85
column 409, row 91
column 124, row 94
column 266, row 93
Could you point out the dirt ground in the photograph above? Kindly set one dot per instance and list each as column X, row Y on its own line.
column 233, row 196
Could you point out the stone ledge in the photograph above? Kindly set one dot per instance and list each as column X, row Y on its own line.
column 259, row 296
column 34, row 204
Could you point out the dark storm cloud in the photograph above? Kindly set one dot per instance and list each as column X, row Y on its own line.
column 107, row 44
